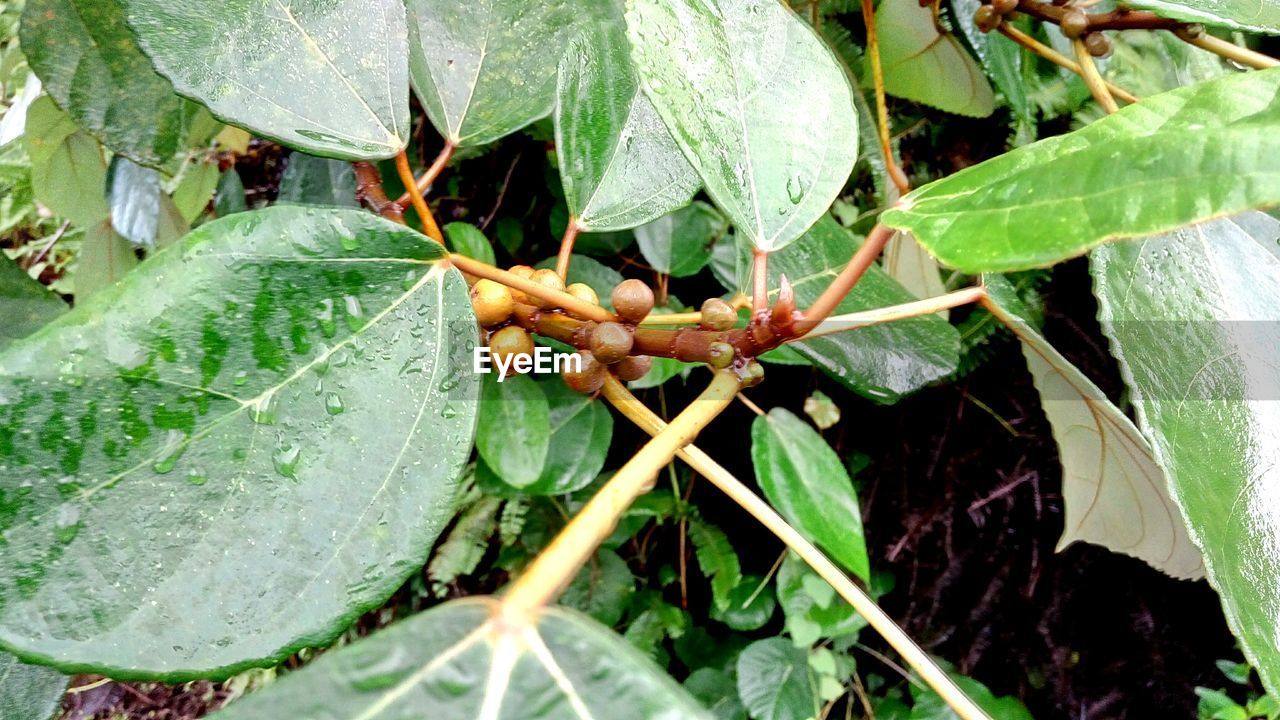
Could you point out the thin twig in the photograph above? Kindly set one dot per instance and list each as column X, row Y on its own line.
column 1058, row 58
column 848, row 277
column 429, row 226
column 1092, row 78
column 560, row 298
column 566, row 248
column 49, row 245
column 895, row 173
column 916, row 308
column 1230, row 51
column 428, row 177
column 369, row 192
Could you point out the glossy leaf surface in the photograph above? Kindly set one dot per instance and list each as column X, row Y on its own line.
column 89, row 62
column 275, row 409
column 679, row 244
column 514, row 432
column 28, row 692
column 1192, row 317
column 1179, row 157
column 326, row 76
column 487, row 68
column 619, row 165
column 721, row 73
column 1116, row 495
column 581, row 429
column 806, row 481
column 456, row 662
column 1251, row 15
column 68, row 172
column 927, row 66
column 774, row 683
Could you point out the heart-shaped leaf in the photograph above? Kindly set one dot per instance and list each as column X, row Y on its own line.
column 1115, row 492
column 465, row 659
column 619, row 166
column 486, row 68
column 927, row 66
column 326, row 76
column 774, row 681
column 1251, row 15
column 806, row 481
column 716, row 72
column 679, row 244
column 90, row 64
column 105, row 258
column 234, row 451
column 67, row 169
column 1176, row 158
column 28, row 692
column 1193, row 320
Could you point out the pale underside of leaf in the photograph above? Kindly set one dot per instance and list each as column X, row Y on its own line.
column 913, row 267
column 925, row 65
column 1252, row 15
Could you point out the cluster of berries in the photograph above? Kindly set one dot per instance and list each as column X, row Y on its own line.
column 1074, row 23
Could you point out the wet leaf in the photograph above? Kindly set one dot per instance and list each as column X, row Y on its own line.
column 619, row 166
column 1262, row 17
column 514, row 434
column 463, row 660
column 326, row 76
column 1116, row 494
column 311, row 180
column 804, row 479
column 1192, row 318
column 25, row 304
column 275, row 408
column 28, row 692
column 89, row 62
column 926, row 66
column 1176, row 158
column 774, row 683
column 716, row 70
column 486, row 68
column 67, row 169
column 679, row 243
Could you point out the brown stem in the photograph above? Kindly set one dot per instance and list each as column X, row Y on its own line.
column 429, row 226
column 848, row 277
column 560, row 298
column 369, row 192
column 1114, row 20
column 895, row 173
column 1092, row 78
column 429, row 176
column 1058, row 58
column 566, row 248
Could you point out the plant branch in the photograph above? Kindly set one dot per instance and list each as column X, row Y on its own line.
column 1058, row 58
column 429, row 226
column 867, row 318
column 429, row 176
column 895, row 173
column 1116, row 20
column 1228, row 50
column 369, row 192
column 848, row 277
column 687, row 318
column 566, row 248
column 1092, row 78
column 626, row 403
column 560, row 298
column 555, row 566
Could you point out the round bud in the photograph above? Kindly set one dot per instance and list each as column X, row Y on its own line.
column 583, row 292
column 986, row 18
column 589, row 379
column 610, row 342
column 752, row 374
column 718, row 315
column 632, row 300
column 1004, row 7
column 1074, row 23
column 508, row 342
column 547, row 278
column 492, row 302
column 1097, row 44
column 633, row 368
column 1190, row 31
column 720, row 355
column 521, row 271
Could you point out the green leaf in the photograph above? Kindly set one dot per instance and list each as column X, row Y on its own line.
column 717, row 71
column 465, row 659
column 196, row 187
column 25, row 304
column 908, row 263
column 1116, row 495
column 773, row 681
column 603, row 588
column 1250, row 15
column 326, row 76
column 883, row 362
column 1207, row 400
column 679, row 243
column 241, row 422
column 467, row 239
column 1183, row 156
column 67, row 169
column 716, row 690
column 927, row 66
column 105, row 258
column 811, row 607
column 581, row 430
column 1217, row 705
column 311, row 180
column 514, row 432
column 930, row 706
column 749, row 606
column 716, row 557
column 230, row 196
column 804, row 479
column 91, row 66
column 461, row 551
column 619, row 166
column 28, row 692
column 486, row 68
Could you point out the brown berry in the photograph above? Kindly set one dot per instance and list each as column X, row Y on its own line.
column 508, row 342
column 632, row 300
column 1097, row 44
column 986, row 18
column 547, row 278
column 718, row 315
column 720, row 355
column 492, row 302
column 633, row 368
column 1074, row 23
column 521, row 271
column 610, row 342
column 752, row 374
column 589, row 379
column 583, row 292
column 1004, row 7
